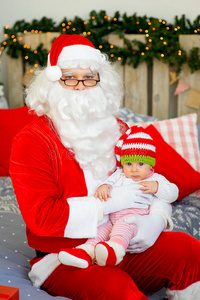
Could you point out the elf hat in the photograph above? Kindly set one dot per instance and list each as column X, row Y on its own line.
column 69, row 47
column 135, row 146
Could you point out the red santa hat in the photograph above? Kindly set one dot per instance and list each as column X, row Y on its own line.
column 135, row 146
column 69, row 47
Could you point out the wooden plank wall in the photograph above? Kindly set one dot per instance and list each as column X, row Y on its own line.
column 19, row 76
column 147, row 90
column 193, row 80
column 135, row 80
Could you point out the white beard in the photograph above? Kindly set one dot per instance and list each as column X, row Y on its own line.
column 86, row 125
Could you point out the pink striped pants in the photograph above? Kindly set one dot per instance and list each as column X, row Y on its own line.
column 116, row 229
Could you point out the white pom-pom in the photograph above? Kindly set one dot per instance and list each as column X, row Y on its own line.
column 53, row 73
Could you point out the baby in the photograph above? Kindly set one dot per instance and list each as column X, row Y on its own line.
column 136, row 157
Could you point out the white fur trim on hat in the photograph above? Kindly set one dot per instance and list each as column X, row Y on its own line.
column 79, row 52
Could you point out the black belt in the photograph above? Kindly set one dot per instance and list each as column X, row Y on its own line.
column 40, row 253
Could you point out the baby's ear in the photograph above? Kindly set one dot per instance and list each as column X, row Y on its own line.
column 152, row 170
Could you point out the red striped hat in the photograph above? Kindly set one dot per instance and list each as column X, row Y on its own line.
column 69, row 47
column 135, row 146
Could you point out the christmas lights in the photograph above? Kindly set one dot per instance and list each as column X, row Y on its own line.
column 162, row 39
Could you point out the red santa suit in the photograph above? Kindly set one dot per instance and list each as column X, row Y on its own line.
column 50, row 175
column 44, row 175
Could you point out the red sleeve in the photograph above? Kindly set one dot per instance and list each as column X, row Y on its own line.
column 34, row 175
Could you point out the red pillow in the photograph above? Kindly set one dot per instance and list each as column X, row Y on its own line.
column 173, row 166
column 11, row 122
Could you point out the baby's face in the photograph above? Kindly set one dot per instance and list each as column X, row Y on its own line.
column 136, row 170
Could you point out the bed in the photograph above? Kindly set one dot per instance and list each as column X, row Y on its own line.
column 15, row 254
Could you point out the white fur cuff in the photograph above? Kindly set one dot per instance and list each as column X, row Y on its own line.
column 192, row 292
column 83, row 218
column 41, row 270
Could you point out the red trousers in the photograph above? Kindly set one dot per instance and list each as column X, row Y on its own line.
column 172, row 262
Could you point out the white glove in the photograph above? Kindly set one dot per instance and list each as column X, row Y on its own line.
column 149, row 229
column 125, row 197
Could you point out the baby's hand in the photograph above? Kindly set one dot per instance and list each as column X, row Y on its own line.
column 149, row 187
column 103, row 192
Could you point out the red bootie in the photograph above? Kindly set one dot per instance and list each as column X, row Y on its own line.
column 75, row 257
column 109, row 253
column 105, row 255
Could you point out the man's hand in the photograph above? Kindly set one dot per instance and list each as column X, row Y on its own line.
column 149, row 229
column 123, row 197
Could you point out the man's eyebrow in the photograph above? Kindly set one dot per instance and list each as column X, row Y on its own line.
column 68, row 73
column 72, row 73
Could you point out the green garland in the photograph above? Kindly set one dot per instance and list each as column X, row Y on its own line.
column 162, row 38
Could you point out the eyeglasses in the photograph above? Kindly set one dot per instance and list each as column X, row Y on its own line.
column 85, row 82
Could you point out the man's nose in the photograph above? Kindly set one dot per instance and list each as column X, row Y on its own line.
column 79, row 86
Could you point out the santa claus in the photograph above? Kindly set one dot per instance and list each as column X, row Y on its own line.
column 58, row 161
